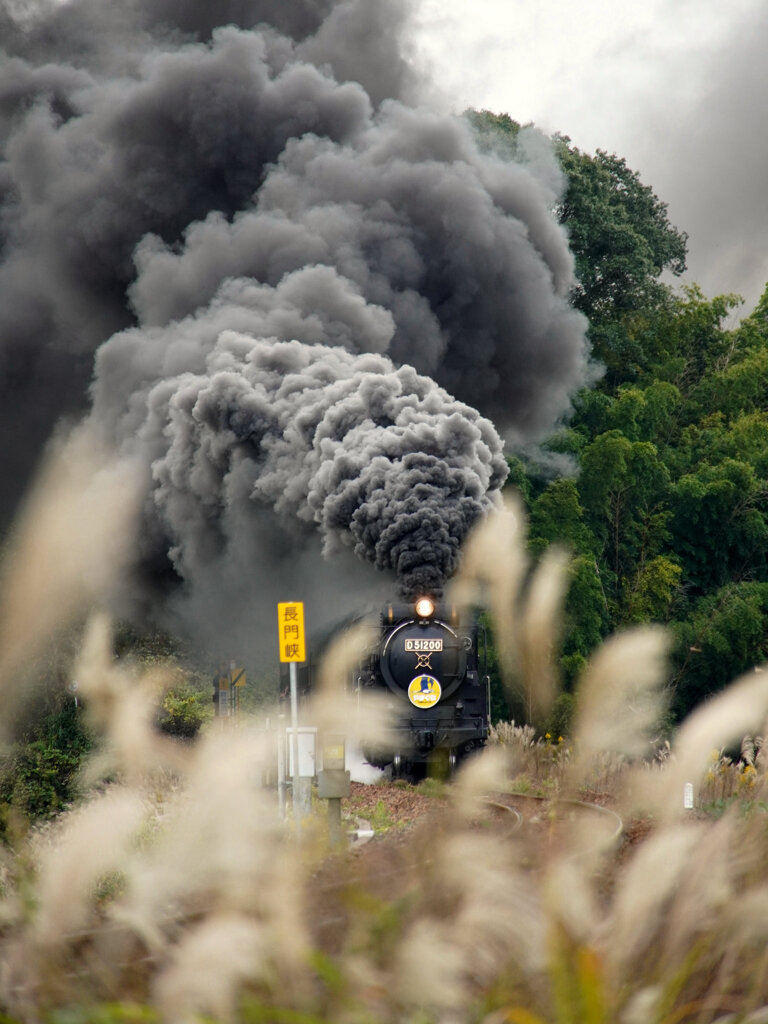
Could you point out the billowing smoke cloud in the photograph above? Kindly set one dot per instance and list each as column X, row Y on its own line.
column 373, row 457
column 108, row 133
column 296, row 268
column 459, row 248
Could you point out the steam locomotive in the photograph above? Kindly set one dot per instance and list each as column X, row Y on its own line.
column 426, row 657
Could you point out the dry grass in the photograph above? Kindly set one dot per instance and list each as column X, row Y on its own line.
column 175, row 892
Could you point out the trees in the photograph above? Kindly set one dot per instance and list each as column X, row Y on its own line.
column 496, row 133
column 624, row 487
column 720, row 524
column 619, row 232
column 725, row 634
column 622, row 242
column 39, row 775
column 664, row 501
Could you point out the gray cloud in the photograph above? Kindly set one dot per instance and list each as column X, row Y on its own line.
column 716, row 130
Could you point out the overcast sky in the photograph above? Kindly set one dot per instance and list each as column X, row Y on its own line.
column 677, row 87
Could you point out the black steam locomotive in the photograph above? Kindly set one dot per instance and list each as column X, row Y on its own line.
column 426, row 656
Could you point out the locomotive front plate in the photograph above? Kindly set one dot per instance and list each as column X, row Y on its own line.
column 424, row 645
column 424, row 691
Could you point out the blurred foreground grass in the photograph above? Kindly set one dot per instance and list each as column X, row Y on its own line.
column 174, row 892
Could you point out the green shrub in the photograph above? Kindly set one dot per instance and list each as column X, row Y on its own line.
column 40, row 774
column 561, row 716
column 183, row 712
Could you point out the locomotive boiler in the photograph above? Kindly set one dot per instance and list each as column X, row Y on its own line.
column 426, row 659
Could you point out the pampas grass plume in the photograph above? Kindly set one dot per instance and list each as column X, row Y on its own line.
column 69, row 548
column 620, row 698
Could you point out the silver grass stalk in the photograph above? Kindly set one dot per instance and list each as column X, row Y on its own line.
column 619, row 700
column 492, row 570
column 121, row 705
column 526, row 620
column 647, row 889
column 723, row 719
column 488, row 772
column 538, row 633
column 367, row 718
column 91, row 842
column 208, row 968
column 71, row 544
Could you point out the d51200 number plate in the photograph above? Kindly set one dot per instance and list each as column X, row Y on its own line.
column 424, row 645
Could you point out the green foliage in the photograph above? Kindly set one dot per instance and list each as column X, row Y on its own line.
column 148, row 647
column 40, row 772
column 500, row 699
column 662, row 494
column 40, row 775
column 622, row 242
column 518, row 478
column 43, row 780
column 587, row 618
column 557, row 517
column 653, row 590
column 619, row 233
column 724, row 635
column 644, row 413
column 496, row 133
column 720, row 524
column 624, row 487
column 380, row 818
column 561, row 716
column 184, row 711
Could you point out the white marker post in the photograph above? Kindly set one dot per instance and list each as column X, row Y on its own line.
column 290, row 619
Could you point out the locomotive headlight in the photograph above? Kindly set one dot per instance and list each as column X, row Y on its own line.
column 424, row 607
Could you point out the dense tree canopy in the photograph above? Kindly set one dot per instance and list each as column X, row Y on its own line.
column 619, row 233
column 665, row 503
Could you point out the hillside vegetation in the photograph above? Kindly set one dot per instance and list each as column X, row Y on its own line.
column 659, row 483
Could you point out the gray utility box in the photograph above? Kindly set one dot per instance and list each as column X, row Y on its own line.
column 333, row 783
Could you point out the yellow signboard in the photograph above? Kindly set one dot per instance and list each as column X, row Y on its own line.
column 232, row 676
column 290, row 623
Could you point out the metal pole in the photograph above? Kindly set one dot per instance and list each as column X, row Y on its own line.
column 295, row 741
column 335, row 834
column 281, row 787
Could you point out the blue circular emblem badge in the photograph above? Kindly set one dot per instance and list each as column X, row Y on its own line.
column 424, row 691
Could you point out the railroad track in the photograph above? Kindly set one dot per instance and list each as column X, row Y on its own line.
column 562, row 825
column 559, row 824
column 537, row 829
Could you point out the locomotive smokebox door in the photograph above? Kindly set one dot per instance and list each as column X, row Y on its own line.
column 423, row 661
column 425, row 653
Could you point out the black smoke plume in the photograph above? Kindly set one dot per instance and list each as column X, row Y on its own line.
column 296, row 267
column 373, row 457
